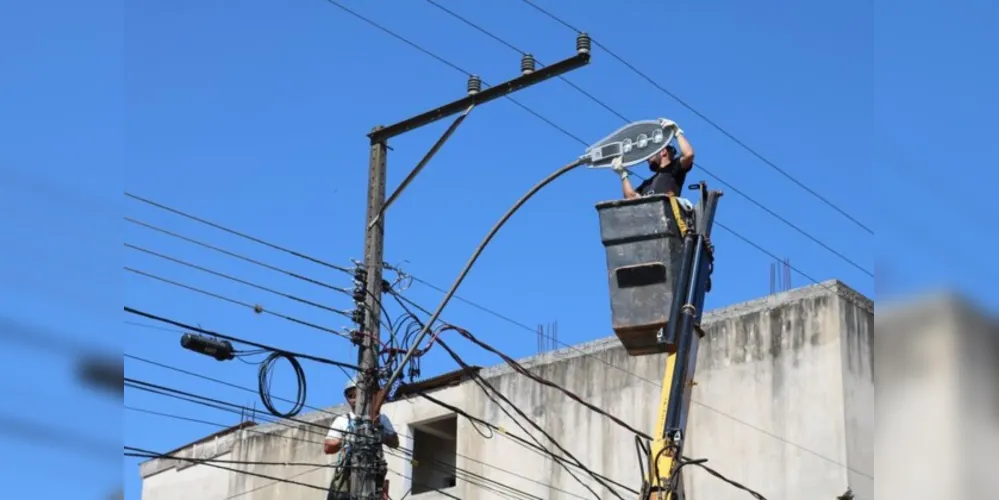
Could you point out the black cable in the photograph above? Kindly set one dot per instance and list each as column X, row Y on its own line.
column 208, row 462
column 264, row 384
column 234, row 462
column 708, row 120
column 185, row 326
column 517, row 367
column 239, row 409
column 255, row 262
column 487, row 387
column 482, row 246
column 451, row 65
column 534, row 446
column 237, row 233
column 848, row 298
column 476, row 479
column 683, row 462
column 626, row 119
column 257, row 308
column 233, row 254
column 643, row 455
column 237, row 280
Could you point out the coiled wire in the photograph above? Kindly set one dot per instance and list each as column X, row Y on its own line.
column 264, row 384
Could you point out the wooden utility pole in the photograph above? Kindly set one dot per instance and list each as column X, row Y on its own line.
column 367, row 460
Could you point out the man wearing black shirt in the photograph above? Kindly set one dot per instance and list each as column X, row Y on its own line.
column 669, row 170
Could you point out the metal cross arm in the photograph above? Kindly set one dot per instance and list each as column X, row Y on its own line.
column 419, row 166
column 492, row 93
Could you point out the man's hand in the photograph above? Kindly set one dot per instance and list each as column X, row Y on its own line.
column 618, row 168
column 666, row 123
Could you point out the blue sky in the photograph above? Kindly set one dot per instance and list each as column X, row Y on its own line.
column 253, row 114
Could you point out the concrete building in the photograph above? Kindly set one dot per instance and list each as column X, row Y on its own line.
column 783, row 404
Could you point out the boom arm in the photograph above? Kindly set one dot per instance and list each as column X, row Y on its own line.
column 683, row 331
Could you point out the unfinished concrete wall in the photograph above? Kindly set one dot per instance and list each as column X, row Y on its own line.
column 783, row 404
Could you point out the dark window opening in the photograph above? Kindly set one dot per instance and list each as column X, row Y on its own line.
column 435, row 450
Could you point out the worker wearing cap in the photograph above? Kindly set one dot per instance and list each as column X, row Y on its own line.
column 669, row 170
column 341, row 435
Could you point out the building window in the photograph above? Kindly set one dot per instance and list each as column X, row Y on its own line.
column 435, row 450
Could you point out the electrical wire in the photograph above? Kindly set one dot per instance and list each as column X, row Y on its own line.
column 581, row 352
column 231, row 338
column 490, row 391
column 469, row 477
column 230, row 407
column 525, row 372
column 212, row 463
column 250, row 260
column 264, row 384
column 482, row 246
column 715, row 125
column 531, row 445
column 237, row 280
column 730, row 416
column 517, row 367
column 237, row 233
column 627, row 120
column 683, row 462
column 657, row 384
column 255, row 307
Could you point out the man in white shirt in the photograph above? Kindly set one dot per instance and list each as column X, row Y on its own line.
column 340, row 437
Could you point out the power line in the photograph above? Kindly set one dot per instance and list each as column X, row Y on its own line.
column 523, row 371
column 657, row 384
column 258, row 345
column 247, row 389
column 488, row 388
column 448, row 63
column 212, row 463
column 707, row 120
column 569, row 346
column 626, row 119
column 237, row 280
column 239, row 256
column 520, row 369
column 308, row 426
column 237, row 233
column 255, row 307
column 256, row 262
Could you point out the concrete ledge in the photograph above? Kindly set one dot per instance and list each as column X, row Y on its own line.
column 595, row 347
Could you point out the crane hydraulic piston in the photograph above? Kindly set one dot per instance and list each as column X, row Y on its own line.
column 659, row 263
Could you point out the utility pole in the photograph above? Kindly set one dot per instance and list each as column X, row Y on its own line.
column 367, row 457
column 367, row 461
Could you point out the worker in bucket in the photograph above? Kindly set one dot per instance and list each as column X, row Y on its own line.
column 340, row 438
column 669, row 169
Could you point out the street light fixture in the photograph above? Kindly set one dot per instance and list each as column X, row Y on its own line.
column 635, row 142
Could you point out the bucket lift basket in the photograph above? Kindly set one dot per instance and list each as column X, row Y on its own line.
column 644, row 248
